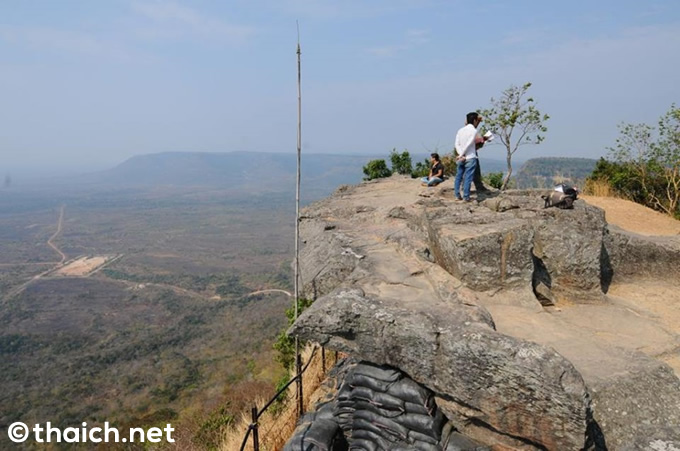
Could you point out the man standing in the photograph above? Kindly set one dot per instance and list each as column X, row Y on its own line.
column 466, row 140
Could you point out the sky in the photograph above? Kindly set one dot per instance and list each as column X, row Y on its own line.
column 85, row 85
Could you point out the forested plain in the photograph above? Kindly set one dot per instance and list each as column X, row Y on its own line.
column 166, row 330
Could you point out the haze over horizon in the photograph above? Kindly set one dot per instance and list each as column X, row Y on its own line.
column 87, row 85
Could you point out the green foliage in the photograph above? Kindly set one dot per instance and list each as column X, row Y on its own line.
column 422, row 169
column 450, row 166
column 14, row 344
column 211, row 432
column 376, row 169
column 401, row 162
column 516, row 121
column 278, row 405
column 121, row 338
column 225, row 284
column 495, row 179
column 285, row 345
column 645, row 164
column 185, row 375
column 231, row 287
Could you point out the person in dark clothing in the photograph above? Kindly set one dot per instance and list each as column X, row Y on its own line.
column 436, row 172
column 477, row 180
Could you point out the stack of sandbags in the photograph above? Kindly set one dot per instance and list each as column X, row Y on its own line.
column 317, row 431
column 379, row 408
column 376, row 408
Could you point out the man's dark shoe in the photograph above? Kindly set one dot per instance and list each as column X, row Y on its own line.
column 467, row 200
column 459, row 198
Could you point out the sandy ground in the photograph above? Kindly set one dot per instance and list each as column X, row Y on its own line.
column 654, row 298
column 635, row 217
column 82, row 266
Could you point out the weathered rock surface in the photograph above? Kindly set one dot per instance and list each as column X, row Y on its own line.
column 632, row 255
column 447, row 292
column 528, row 392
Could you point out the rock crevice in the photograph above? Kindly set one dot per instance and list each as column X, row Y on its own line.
column 483, row 305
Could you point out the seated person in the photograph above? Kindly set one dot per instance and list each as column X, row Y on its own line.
column 436, row 172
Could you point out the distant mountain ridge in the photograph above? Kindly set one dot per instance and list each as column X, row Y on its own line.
column 228, row 168
column 267, row 171
column 248, row 171
column 546, row 172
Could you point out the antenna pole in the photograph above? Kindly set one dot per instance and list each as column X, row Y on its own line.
column 298, row 360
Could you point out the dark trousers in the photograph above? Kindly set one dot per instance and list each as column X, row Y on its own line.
column 477, row 180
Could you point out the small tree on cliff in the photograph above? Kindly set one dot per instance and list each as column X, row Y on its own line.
column 401, row 162
column 376, row 169
column 516, row 121
column 647, row 163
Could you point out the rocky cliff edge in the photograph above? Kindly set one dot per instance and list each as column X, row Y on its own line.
column 517, row 317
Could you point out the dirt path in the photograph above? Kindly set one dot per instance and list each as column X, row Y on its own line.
column 58, row 265
column 635, row 217
column 56, row 234
column 276, row 290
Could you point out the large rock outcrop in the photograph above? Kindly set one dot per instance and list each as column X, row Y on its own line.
column 500, row 308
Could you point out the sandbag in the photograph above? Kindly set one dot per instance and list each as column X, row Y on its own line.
column 384, row 400
column 380, row 441
column 418, row 446
column 345, row 404
column 428, row 408
column 344, row 391
column 381, row 373
column 422, row 423
column 323, row 434
column 360, row 380
column 359, row 424
column 364, row 445
column 410, row 391
column 320, row 435
column 363, row 405
column 325, row 411
column 388, row 426
column 419, row 436
column 424, row 446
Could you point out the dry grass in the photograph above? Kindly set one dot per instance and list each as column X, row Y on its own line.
column 599, row 188
column 275, row 430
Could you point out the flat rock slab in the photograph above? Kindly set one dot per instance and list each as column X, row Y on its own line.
column 405, row 276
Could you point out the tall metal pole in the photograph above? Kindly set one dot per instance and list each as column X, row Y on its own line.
column 298, row 360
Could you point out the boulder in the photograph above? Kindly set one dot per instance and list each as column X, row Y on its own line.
column 629, row 255
column 449, row 293
column 487, row 384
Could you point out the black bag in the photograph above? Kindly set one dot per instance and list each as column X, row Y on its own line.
column 559, row 200
column 563, row 196
column 567, row 189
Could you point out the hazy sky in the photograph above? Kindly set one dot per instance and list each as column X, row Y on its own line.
column 87, row 84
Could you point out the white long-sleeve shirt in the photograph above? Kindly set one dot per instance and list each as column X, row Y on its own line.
column 465, row 142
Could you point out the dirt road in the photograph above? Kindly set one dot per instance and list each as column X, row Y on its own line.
column 56, row 234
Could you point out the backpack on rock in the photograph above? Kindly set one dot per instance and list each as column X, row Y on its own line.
column 563, row 196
